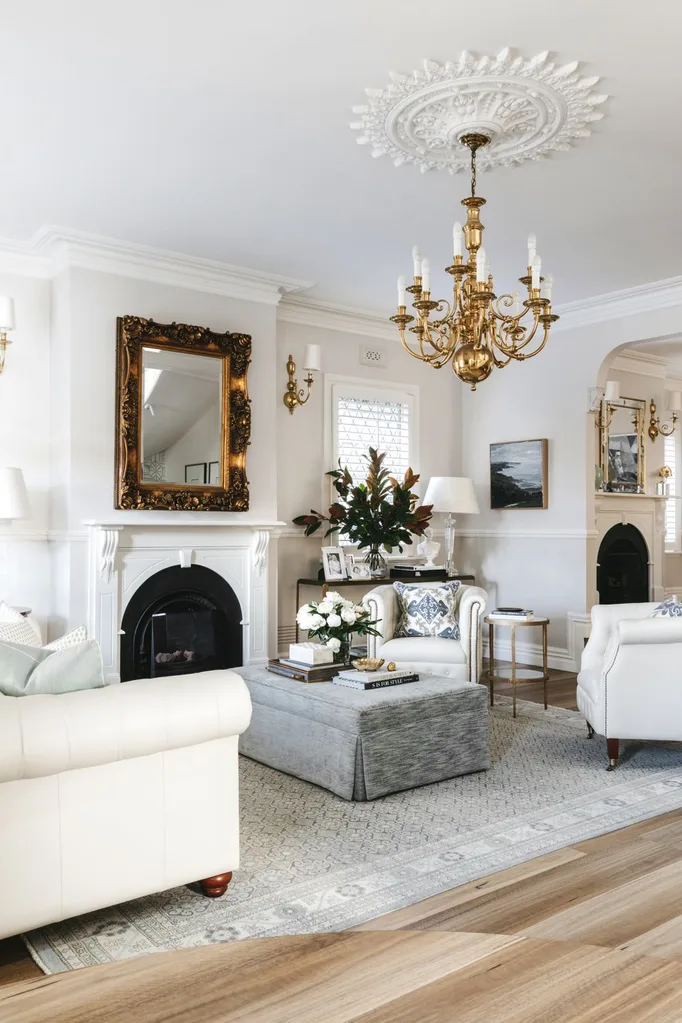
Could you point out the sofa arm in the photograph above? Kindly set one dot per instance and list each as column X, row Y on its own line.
column 472, row 607
column 45, row 735
column 382, row 605
column 638, row 631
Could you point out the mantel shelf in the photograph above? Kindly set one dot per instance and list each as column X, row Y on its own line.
column 639, row 497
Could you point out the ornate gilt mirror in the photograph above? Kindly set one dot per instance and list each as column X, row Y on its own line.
column 622, row 451
column 183, row 417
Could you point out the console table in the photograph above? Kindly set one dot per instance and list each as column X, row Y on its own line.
column 369, row 584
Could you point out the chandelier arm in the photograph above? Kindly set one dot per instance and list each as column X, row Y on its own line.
column 521, row 356
column 519, row 345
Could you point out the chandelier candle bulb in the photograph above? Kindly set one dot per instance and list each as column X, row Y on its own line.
column 536, row 266
column 417, row 258
column 402, row 291
column 480, row 265
column 426, row 275
column 457, row 239
column 547, row 287
column 532, row 248
column 516, row 304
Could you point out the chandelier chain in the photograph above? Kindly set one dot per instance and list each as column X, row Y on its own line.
column 473, row 171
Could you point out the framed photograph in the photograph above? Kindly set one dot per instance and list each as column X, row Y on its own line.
column 196, row 473
column 518, row 474
column 334, row 564
column 359, row 569
column 624, row 460
column 213, row 474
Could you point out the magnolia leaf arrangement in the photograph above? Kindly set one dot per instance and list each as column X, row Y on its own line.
column 379, row 512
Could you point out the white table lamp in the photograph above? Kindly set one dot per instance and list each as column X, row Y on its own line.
column 14, row 502
column 451, row 495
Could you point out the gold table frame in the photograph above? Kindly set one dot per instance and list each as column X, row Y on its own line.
column 538, row 676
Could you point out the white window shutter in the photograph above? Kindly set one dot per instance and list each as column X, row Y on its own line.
column 671, row 517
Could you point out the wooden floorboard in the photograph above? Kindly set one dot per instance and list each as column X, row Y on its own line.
column 590, row 932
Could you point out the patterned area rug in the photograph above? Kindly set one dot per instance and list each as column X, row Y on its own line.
column 313, row 862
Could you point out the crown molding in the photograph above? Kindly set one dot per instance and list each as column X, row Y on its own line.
column 615, row 305
column 53, row 249
column 309, row 312
column 641, row 364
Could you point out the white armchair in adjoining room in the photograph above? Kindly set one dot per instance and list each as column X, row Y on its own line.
column 630, row 680
column 455, row 658
column 110, row 794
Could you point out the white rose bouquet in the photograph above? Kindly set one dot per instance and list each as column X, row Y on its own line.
column 334, row 620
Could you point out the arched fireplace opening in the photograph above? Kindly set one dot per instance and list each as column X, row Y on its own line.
column 181, row 620
column 623, row 567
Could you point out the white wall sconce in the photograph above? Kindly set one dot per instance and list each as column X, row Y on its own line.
column 674, row 405
column 6, row 323
column 312, row 362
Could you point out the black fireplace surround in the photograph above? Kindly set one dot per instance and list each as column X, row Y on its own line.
column 182, row 620
column 623, row 567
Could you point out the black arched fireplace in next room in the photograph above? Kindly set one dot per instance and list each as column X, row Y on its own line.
column 181, row 620
column 623, row 567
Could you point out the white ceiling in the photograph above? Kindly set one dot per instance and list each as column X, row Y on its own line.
column 221, row 129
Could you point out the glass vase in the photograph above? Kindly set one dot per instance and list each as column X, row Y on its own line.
column 378, row 566
column 342, row 655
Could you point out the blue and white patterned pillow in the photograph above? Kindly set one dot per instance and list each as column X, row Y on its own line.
column 670, row 608
column 427, row 611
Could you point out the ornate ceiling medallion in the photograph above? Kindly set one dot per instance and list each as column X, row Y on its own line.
column 527, row 108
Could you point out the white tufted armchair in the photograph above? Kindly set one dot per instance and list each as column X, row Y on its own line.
column 455, row 658
column 630, row 680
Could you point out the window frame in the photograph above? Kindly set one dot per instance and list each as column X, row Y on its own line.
column 362, row 387
column 676, row 546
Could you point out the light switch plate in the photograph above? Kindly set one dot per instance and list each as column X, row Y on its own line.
column 373, row 355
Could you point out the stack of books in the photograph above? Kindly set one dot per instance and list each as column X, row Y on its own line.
column 511, row 614
column 374, row 679
column 303, row 672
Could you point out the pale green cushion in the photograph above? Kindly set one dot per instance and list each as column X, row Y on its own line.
column 28, row 670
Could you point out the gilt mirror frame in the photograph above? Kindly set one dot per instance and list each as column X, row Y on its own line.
column 637, row 408
column 133, row 335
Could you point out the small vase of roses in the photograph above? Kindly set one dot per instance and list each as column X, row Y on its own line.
column 334, row 621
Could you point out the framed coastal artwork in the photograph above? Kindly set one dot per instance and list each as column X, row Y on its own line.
column 518, row 474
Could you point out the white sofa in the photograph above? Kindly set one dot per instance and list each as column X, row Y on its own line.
column 457, row 659
column 630, row 680
column 110, row 794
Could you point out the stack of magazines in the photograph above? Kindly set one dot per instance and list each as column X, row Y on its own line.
column 374, row 679
column 512, row 614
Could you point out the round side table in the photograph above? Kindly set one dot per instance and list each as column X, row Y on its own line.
column 516, row 674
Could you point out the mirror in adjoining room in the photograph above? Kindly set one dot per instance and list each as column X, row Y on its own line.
column 622, row 451
column 183, row 417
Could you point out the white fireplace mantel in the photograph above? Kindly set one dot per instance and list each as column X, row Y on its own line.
column 644, row 511
column 123, row 555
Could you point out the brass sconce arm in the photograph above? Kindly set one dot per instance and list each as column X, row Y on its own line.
column 293, row 396
column 656, row 426
column 4, row 341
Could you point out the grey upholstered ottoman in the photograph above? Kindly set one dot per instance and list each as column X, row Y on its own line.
column 362, row 745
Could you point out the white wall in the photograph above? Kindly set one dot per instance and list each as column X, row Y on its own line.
column 300, row 438
column 25, row 432
column 538, row 557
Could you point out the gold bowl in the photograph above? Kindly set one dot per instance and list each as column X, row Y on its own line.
column 368, row 663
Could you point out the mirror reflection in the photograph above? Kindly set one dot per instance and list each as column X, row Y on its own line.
column 181, row 418
column 623, row 444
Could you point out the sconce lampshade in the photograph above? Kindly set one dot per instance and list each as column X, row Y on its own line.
column 14, row 502
column 674, row 401
column 312, row 358
column 451, row 494
column 6, row 313
column 612, row 390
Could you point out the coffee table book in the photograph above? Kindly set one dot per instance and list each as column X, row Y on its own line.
column 393, row 678
column 303, row 672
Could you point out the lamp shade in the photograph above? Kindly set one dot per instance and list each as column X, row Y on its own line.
column 451, row 494
column 674, row 401
column 6, row 313
column 14, row 503
column 612, row 390
column 312, row 357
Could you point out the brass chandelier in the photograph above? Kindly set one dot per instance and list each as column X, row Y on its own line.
column 475, row 332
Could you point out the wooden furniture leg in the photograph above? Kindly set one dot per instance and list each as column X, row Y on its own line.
column 214, row 887
column 545, row 671
column 612, row 747
column 491, row 665
column 513, row 666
